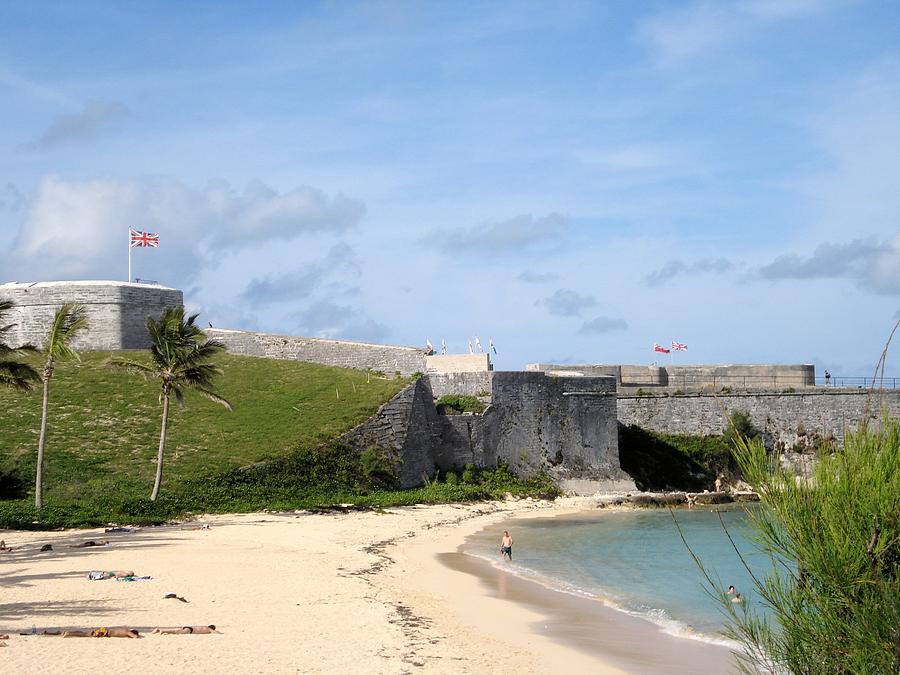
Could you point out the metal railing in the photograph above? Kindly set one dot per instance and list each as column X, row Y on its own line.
column 780, row 382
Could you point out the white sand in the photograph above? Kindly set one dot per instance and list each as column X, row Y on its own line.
column 350, row 593
column 290, row 593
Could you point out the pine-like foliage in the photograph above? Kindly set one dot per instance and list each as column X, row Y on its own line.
column 834, row 540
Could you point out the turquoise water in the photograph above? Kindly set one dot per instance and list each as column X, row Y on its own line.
column 635, row 561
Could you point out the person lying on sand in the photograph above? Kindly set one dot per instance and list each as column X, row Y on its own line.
column 114, row 574
column 187, row 630
column 88, row 544
column 173, row 596
column 204, row 526
column 4, row 548
column 104, row 632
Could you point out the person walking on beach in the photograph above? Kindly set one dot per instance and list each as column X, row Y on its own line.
column 506, row 545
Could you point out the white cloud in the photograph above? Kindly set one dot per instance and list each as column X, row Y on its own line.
column 513, row 235
column 873, row 264
column 691, row 31
column 565, row 302
column 81, row 126
column 78, row 228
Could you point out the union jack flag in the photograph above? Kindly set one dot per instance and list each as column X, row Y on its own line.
column 679, row 346
column 143, row 239
column 660, row 348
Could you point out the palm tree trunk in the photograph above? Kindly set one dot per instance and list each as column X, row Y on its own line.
column 39, row 473
column 162, row 445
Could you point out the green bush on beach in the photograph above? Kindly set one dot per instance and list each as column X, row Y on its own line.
column 834, row 543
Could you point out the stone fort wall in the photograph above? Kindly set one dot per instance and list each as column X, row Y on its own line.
column 564, row 426
column 343, row 353
column 785, row 419
column 694, row 377
column 116, row 311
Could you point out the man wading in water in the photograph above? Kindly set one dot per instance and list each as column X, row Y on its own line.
column 506, row 546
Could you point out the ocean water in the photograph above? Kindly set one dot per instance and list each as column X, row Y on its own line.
column 635, row 561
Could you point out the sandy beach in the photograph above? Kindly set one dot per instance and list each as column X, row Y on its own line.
column 298, row 592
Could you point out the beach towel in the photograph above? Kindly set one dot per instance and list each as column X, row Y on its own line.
column 147, row 578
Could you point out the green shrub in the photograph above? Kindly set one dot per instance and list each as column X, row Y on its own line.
column 380, row 466
column 469, row 474
column 834, row 542
column 456, row 404
column 451, row 478
column 673, row 462
column 739, row 427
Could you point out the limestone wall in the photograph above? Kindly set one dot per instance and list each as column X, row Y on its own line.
column 410, row 425
column 470, row 384
column 693, row 377
column 343, row 353
column 457, row 363
column 778, row 415
column 563, row 425
column 117, row 311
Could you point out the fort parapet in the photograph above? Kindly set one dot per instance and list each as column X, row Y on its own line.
column 693, row 377
column 116, row 311
column 343, row 353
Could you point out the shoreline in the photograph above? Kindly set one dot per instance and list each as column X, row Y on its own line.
column 591, row 624
column 290, row 592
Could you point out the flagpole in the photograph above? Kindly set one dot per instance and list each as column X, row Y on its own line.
column 129, row 255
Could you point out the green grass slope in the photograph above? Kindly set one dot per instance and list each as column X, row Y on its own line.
column 104, row 427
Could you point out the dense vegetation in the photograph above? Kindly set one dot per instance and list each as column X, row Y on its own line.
column 660, row 462
column 457, row 404
column 834, row 542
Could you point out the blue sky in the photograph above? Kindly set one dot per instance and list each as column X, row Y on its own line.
column 574, row 180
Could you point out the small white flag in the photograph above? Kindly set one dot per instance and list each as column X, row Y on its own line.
column 491, row 345
column 478, row 344
column 471, row 351
column 429, row 345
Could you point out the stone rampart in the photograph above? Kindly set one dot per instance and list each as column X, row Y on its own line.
column 343, row 353
column 780, row 416
column 116, row 311
column 694, row 377
column 457, row 363
column 469, row 384
column 564, row 426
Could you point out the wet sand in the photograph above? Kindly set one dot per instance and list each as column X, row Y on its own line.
column 626, row 642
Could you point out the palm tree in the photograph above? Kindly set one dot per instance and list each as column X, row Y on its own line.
column 67, row 322
column 13, row 374
column 180, row 355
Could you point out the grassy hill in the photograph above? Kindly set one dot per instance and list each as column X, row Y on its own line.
column 104, row 425
column 103, row 434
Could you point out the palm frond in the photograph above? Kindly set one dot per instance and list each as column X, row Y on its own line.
column 17, row 375
column 133, row 367
column 68, row 321
column 214, row 397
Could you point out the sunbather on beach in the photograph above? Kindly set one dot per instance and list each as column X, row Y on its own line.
column 114, row 574
column 104, row 632
column 4, row 548
column 187, row 630
column 88, row 544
